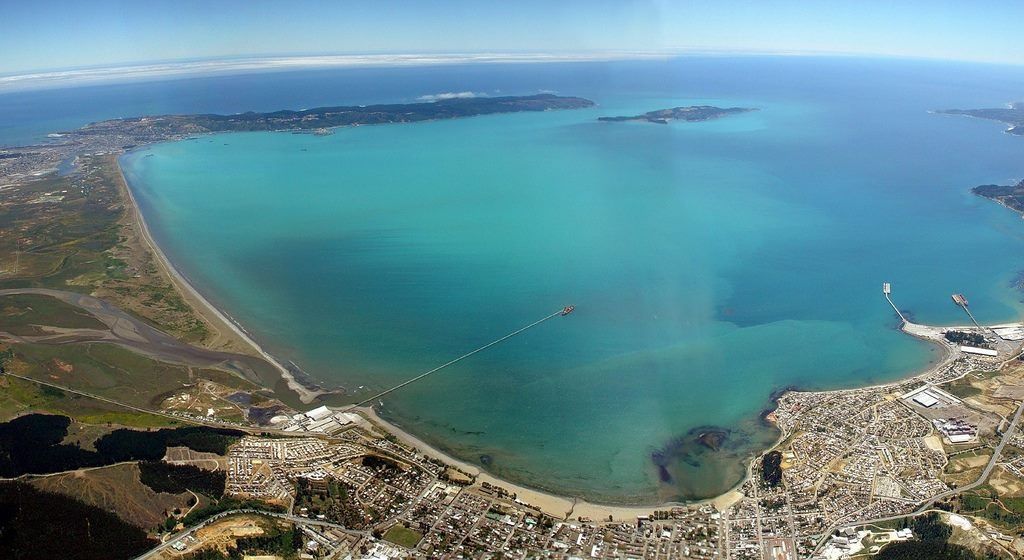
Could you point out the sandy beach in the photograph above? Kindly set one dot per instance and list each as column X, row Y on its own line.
column 557, row 506
column 229, row 334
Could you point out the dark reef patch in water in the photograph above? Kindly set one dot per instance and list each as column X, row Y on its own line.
column 689, row 448
column 1017, row 282
column 713, row 439
column 897, row 323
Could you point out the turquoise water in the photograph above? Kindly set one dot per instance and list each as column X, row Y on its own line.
column 710, row 263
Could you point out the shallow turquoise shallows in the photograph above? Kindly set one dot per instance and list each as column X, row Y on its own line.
column 710, row 263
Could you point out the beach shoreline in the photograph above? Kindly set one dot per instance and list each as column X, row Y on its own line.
column 220, row 322
column 564, row 507
column 552, row 504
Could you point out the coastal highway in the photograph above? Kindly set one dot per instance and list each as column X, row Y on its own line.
column 185, row 419
column 292, row 518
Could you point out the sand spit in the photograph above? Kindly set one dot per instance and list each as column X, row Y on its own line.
column 224, row 325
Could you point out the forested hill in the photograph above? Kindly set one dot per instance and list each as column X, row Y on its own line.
column 326, row 117
column 1011, row 196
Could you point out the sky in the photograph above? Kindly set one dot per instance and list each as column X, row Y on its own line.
column 49, row 35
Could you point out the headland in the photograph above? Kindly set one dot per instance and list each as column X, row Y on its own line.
column 1012, row 115
column 118, row 135
column 1010, row 196
column 884, row 400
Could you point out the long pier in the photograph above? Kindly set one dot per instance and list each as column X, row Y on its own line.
column 887, row 290
column 969, row 314
column 456, row 360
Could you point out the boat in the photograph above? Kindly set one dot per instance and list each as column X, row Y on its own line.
column 568, row 309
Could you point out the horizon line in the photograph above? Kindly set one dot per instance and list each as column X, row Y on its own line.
column 239, row 64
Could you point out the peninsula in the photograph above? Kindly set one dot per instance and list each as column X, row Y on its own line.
column 1012, row 114
column 1010, row 196
column 121, row 134
column 101, row 342
column 694, row 113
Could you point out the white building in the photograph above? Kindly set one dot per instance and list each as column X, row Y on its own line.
column 925, row 399
column 319, row 413
column 979, row 351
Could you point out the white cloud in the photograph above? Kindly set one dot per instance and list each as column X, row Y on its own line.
column 449, row 95
column 67, row 78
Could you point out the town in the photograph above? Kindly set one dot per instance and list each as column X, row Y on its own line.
column 846, row 459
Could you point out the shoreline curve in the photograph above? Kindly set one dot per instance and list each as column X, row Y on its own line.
column 218, row 319
column 553, row 504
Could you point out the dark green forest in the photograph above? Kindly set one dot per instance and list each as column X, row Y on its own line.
column 37, row 525
column 31, row 444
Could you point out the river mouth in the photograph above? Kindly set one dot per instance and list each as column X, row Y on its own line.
column 710, row 264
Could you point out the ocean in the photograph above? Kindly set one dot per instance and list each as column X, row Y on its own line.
column 711, row 263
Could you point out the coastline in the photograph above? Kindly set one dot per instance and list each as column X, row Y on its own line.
column 214, row 317
column 559, row 506
column 556, row 505
column 552, row 504
column 562, row 507
column 570, row 507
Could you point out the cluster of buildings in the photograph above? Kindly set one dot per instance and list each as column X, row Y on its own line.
column 450, row 518
column 956, row 430
column 849, row 457
column 265, row 468
column 106, row 137
column 320, row 420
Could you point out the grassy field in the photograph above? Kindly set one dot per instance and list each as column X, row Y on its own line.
column 59, row 229
column 76, row 233
column 102, row 369
column 402, row 536
column 117, row 489
column 18, row 397
column 23, row 314
column 963, row 388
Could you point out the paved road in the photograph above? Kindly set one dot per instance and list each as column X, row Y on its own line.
column 948, row 494
column 287, row 517
column 130, row 332
column 188, row 420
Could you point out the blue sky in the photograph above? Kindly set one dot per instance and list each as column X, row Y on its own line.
column 51, row 35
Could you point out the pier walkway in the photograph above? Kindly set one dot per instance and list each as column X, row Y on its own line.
column 971, row 315
column 896, row 309
column 456, row 360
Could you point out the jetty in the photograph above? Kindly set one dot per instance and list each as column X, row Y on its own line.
column 961, row 301
column 887, row 290
column 1003, row 338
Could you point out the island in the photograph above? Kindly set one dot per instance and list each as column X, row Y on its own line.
column 1010, row 196
column 694, row 113
column 1012, row 114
